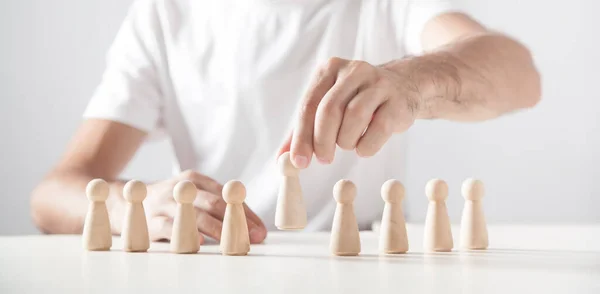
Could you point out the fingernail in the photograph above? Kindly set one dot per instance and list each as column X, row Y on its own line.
column 257, row 235
column 300, row 161
column 323, row 160
column 360, row 155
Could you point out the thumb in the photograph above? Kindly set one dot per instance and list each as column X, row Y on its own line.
column 285, row 146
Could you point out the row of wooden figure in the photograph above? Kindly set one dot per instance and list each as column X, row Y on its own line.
column 393, row 237
column 184, row 239
column 345, row 240
column 290, row 215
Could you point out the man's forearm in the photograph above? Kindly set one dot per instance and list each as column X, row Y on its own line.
column 476, row 78
column 59, row 204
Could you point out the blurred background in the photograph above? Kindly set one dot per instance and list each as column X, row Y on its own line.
column 539, row 166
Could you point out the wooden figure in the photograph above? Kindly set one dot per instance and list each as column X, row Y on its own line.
column 135, row 228
column 438, row 234
column 235, row 239
column 345, row 239
column 473, row 228
column 393, row 237
column 97, row 234
column 185, row 237
column 291, row 211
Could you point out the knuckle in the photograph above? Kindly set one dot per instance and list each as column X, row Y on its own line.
column 359, row 67
column 331, row 107
column 214, row 202
column 211, row 202
column 331, row 63
column 358, row 111
column 383, row 126
column 360, row 64
column 308, row 108
column 217, row 187
column 383, row 83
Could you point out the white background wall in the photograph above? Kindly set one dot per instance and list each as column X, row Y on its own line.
column 538, row 166
column 541, row 165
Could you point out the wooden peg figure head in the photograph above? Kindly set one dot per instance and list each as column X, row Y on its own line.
column 436, row 190
column 234, row 192
column 184, row 192
column 286, row 167
column 134, row 191
column 97, row 190
column 472, row 189
column 392, row 191
column 344, row 191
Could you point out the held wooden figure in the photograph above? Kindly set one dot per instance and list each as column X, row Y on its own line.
column 345, row 240
column 185, row 237
column 135, row 229
column 473, row 228
column 291, row 211
column 96, row 230
column 438, row 234
column 235, row 239
column 393, row 237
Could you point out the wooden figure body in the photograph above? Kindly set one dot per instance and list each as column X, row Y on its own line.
column 185, row 237
column 291, row 211
column 473, row 228
column 345, row 239
column 438, row 234
column 97, row 235
column 135, row 228
column 235, row 239
column 393, row 237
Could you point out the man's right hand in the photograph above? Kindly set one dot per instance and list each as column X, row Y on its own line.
column 102, row 149
column 210, row 207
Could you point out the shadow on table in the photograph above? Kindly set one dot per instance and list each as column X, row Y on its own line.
column 544, row 260
column 535, row 251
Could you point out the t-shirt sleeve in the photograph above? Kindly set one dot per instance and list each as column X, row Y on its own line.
column 419, row 12
column 130, row 89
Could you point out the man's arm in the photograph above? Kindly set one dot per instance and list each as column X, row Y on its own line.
column 99, row 149
column 469, row 73
column 466, row 74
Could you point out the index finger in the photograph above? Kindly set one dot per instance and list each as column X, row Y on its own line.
column 301, row 149
column 285, row 146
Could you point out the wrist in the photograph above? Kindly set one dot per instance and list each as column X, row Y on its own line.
column 432, row 81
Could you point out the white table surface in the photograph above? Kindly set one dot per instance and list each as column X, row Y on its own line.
column 521, row 259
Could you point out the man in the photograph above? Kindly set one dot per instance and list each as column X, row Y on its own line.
column 228, row 81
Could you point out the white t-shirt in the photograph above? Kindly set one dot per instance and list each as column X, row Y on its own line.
column 223, row 79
